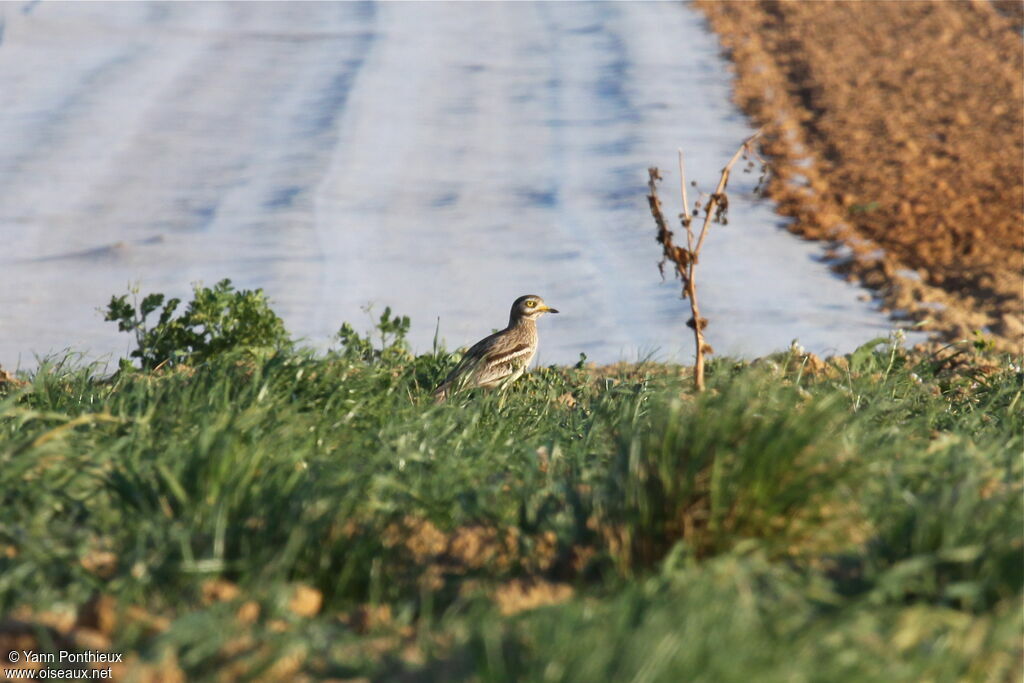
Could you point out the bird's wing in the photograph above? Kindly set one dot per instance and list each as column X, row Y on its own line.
column 500, row 363
column 486, row 363
column 461, row 373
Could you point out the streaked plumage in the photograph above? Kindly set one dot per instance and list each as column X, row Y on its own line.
column 501, row 358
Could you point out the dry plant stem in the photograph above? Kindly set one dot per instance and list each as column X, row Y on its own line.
column 671, row 252
column 690, row 287
column 685, row 217
column 715, row 198
column 686, row 260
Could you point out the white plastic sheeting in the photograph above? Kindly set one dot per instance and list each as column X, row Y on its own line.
column 439, row 158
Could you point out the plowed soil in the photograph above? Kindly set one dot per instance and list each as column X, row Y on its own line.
column 897, row 130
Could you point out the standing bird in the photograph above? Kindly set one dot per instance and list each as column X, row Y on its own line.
column 500, row 359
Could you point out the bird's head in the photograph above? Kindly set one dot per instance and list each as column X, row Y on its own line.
column 530, row 307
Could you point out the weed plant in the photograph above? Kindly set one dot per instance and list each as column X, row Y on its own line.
column 281, row 514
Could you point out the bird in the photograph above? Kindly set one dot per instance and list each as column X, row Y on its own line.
column 501, row 358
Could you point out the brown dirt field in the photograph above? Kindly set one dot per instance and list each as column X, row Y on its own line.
column 897, row 129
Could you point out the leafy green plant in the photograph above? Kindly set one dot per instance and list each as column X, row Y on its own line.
column 217, row 320
column 983, row 343
column 391, row 331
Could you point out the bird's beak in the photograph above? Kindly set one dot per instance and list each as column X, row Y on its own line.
column 548, row 309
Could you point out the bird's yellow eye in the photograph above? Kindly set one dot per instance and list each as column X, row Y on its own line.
column 531, row 303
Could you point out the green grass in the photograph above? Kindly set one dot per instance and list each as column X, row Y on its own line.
column 856, row 521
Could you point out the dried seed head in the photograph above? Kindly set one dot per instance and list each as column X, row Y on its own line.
column 703, row 323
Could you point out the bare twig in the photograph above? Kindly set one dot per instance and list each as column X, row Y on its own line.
column 696, row 322
column 686, row 260
column 719, row 195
